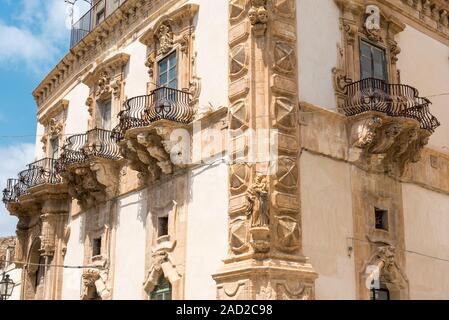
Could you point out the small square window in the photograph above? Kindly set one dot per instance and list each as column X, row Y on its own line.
column 96, row 247
column 162, row 229
column 381, row 219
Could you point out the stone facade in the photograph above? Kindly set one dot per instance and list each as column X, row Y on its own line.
column 242, row 155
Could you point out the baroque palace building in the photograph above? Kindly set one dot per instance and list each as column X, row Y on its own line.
column 241, row 149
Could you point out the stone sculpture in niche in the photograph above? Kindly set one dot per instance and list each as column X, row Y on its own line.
column 257, row 196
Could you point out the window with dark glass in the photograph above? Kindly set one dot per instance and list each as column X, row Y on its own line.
column 101, row 15
column 162, row 229
column 162, row 291
column 167, row 68
column 373, row 62
column 105, row 114
column 96, row 247
column 381, row 219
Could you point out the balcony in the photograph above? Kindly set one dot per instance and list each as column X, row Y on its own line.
column 14, row 189
column 88, row 163
column 100, row 10
column 162, row 104
column 39, row 179
column 81, row 148
column 394, row 100
column 389, row 124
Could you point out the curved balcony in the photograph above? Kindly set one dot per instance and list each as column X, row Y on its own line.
column 14, row 189
column 163, row 103
column 395, row 100
column 81, row 148
column 40, row 172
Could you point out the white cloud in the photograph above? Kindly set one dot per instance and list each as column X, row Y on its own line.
column 37, row 37
column 14, row 159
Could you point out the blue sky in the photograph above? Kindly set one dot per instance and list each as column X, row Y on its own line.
column 34, row 36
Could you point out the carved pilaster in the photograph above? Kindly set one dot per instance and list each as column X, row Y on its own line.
column 264, row 209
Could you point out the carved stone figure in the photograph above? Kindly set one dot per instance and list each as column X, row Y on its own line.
column 258, row 16
column 257, row 197
column 165, row 37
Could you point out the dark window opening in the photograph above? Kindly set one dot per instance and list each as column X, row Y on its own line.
column 162, row 291
column 96, row 247
column 373, row 62
column 381, row 219
column 101, row 15
column 105, row 115
column 54, row 148
column 162, row 229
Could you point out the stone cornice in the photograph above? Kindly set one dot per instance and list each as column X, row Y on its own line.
column 130, row 17
column 53, row 111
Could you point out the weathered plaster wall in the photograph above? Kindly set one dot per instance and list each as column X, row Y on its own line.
column 212, row 47
column 130, row 247
column 424, row 64
column 71, row 285
column 317, row 55
column 206, row 230
column 327, row 222
column 77, row 114
column 426, row 219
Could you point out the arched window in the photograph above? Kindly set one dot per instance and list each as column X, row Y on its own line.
column 162, row 291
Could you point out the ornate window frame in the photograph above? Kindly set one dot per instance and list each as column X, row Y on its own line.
column 54, row 125
column 106, row 83
column 174, row 32
column 372, row 23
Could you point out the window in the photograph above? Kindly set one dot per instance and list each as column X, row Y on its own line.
column 105, row 114
column 96, row 247
column 162, row 229
column 381, row 219
column 373, row 62
column 380, row 294
column 168, row 76
column 54, row 148
column 100, row 16
column 162, row 291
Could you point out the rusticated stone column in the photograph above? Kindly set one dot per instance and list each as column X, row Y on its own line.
column 265, row 258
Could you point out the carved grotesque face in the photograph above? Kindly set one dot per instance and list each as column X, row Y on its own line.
column 252, row 15
column 262, row 15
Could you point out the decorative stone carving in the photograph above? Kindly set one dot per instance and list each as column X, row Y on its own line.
column 95, row 282
column 284, row 57
column 389, row 270
column 238, row 236
column 288, row 234
column 90, row 106
column 165, row 37
column 238, row 58
column 258, row 16
column 156, row 150
column 161, row 265
column 372, row 23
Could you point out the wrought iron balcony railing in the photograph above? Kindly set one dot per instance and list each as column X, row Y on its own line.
column 99, row 11
column 82, row 147
column 161, row 103
column 40, row 172
column 14, row 189
column 394, row 100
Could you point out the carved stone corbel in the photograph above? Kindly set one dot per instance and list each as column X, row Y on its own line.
column 161, row 266
column 95, row 282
